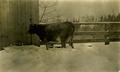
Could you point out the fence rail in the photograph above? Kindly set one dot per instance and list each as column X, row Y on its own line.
column 107, row 32
column 96, row 33
column 90, row 23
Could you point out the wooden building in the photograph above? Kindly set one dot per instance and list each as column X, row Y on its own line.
column 15, row 19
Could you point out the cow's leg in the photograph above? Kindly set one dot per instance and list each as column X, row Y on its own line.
column 64, row 39
column 71, row 42
column 63, row 43
column 47, row 46
column 46, row 43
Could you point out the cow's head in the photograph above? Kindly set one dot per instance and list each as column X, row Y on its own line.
column 32, row 29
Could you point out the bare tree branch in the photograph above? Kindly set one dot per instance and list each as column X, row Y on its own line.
column 50, row 11
column 43, row 14
column 47, row 7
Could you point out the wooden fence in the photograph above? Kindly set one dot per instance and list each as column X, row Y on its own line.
column 99, row 31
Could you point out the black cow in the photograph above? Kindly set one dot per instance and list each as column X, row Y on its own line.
column 51, row 32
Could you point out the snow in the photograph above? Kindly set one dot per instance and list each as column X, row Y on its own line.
column 85, row 57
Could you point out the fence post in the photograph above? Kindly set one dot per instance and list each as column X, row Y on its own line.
column 107, row 35
column 31, row 34
column 107, row 39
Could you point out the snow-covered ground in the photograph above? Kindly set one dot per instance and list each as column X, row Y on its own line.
column 85, row 57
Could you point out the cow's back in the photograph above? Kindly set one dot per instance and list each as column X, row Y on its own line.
column 61, row 29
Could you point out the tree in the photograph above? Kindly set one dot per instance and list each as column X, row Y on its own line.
column 46, row 9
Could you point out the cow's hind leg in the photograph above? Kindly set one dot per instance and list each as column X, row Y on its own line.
column 71, row 42
column 63, row 42
column 46, row 43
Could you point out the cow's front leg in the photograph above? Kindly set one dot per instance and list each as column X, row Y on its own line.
column 63, row 44
column 47, row 45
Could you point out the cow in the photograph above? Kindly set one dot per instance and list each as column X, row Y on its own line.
column 62, row 31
